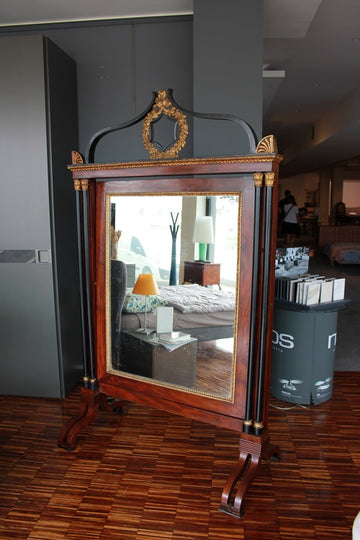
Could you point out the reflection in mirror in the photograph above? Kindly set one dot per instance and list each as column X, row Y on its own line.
column 180, row 332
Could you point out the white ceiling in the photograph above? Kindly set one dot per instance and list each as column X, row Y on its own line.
column 314, row 110
column 15, row 12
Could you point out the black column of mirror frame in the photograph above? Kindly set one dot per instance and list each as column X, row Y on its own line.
column 82, row 213
column 79, row 230
column 248, row 420
column 258, row 424
column 93, row 382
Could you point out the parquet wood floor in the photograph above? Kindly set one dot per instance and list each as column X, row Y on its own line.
column 151, row 475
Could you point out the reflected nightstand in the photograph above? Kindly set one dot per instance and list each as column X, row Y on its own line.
column 203, row 273
column 143, row 355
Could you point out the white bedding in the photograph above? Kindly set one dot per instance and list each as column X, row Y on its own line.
column 197, row 299
column 194, row 307
column 181, row 321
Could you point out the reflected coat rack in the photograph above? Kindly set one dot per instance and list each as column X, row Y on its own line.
column 255, row 176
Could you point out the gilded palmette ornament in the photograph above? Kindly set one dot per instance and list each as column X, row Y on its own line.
column 76, row 157
column 267, row 145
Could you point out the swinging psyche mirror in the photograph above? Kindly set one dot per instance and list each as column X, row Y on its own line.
column 180, row 333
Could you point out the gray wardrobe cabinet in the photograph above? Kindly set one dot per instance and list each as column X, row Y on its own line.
column 40, row 327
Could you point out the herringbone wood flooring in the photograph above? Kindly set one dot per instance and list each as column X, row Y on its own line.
column 151, row 475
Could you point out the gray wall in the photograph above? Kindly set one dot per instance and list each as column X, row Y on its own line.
column 227, row 72
column 213, row 61
column 119, row 66
column 214, row 64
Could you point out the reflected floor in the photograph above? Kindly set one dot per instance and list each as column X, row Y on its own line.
column 213, row 362
column 214, row 367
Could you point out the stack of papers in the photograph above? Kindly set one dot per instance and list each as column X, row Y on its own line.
column 174, row 337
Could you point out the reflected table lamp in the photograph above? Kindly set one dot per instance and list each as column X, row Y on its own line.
column 203, row 234
column 145, row 285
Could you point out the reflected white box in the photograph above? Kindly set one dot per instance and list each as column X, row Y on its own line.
column 164, row 319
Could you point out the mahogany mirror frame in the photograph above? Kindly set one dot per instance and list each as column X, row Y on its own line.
column 255, row 178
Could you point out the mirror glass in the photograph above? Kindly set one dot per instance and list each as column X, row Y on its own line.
column 172, row 281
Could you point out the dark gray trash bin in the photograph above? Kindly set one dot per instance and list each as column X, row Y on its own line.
column 303, row 351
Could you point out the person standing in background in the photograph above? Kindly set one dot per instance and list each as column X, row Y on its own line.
column 282, row 203
column 291, row 221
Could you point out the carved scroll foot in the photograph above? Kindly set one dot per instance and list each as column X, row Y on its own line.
column 252, row 450
column 90, row 401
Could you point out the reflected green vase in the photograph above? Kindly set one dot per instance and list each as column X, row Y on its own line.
column 202, row 252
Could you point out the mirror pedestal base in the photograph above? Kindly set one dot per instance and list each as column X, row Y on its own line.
column 90, row 402
column 252, row 450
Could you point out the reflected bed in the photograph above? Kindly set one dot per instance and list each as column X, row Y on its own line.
column 343, row 252
column 197, row 309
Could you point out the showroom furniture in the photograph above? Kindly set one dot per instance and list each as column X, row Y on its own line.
column 252, row 181
column 145, row 355
column 203, row 273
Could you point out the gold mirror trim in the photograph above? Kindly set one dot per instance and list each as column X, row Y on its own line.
column 109, row 368
column 162, row 106
column 233, row 160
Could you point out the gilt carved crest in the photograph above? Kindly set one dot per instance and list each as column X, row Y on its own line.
column 163, row 106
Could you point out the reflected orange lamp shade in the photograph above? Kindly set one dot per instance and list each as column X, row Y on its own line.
column 145, row 285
